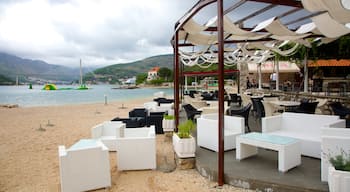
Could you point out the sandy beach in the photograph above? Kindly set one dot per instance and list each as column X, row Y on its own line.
column 30, row 138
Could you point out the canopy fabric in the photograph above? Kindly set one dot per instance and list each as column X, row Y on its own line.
column 270, row 67
column 328, row 20
column 192, row 27
column 240, row 34
column 334, row 7
column 329, row 27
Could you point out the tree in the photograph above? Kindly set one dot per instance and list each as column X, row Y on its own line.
column 140, row 78
column 165, row 73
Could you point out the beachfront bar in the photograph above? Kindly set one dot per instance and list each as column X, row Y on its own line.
column 251, row 31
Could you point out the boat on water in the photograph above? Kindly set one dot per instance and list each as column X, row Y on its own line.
column 126, row 87
column 82, row 86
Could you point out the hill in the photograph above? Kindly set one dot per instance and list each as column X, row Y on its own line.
column 38, row 71
column 6, row 81
column 114, row 72
column 29, row 70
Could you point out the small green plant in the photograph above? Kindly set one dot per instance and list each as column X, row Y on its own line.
column 341, row 162
column 169, row 117
column 185, row 128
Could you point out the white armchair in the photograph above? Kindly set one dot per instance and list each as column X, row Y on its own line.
column 108, row 132
column 137, row 149
column 84, row 166
column 207, row 131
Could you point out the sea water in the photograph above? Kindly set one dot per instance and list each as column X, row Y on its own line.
column 25, row 97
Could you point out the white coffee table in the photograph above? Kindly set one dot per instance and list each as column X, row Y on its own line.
column 289, row 152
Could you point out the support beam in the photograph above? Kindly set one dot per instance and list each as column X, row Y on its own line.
column 176, row 80
column 277, row 73
column 306, row 72
column 268, row 7
column 221, row 92
column 292, row 3
column 259, row 73
column 235, row 6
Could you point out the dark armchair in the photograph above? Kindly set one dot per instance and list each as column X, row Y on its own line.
column 306, row 107
column 141, row 114
column 235, row 98
column 160, row 100
column 258, row 107
column 243, row 112
column 132, row 122
column 156, row 119
column 191, row 112
column 339, row 109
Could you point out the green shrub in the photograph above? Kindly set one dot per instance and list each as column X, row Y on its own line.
column 169, row 117
column 185, row 128
column 341, row 162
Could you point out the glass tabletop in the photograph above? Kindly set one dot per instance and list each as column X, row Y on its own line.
column 281, row 140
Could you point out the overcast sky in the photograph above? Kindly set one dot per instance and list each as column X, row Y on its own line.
column 100, row 32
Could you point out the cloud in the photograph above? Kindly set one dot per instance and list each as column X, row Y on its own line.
column 100, row 32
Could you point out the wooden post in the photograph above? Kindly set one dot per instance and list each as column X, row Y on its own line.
column 221, row 92
column 176, row 80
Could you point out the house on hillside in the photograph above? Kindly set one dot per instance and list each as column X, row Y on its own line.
column 153, row 73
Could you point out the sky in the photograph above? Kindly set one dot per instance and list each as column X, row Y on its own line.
column 100, row 32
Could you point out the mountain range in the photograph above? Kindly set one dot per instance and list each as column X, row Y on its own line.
column 114, row 72
column 14, row 67
column 27, row 70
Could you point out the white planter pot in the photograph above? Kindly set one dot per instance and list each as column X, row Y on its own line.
column 338, row 181
column 168, row 125
column 184, row 148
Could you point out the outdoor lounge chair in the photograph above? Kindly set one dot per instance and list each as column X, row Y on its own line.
column 156, row 119
column 141, row 114
column 339, row 109
column 191, row 112
column 107, row 132
column 131, row 122
column 137, row 149
column 306, row 107
column 243, row 112
column 258, row 107
column 84, row 166
column 207, row 131
column 234, row 98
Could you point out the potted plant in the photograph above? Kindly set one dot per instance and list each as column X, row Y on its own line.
column 183, row 142
column 339, row 172
column 168, row 123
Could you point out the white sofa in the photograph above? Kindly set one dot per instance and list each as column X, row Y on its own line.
column 334, row 140
column 207, row 131
column 137, row 149
column 305, row 127
column 108, row 132
column 84, row 166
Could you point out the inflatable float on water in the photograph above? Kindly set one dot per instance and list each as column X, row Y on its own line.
column 49, row 87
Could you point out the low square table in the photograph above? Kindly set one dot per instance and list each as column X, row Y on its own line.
column 289, row 152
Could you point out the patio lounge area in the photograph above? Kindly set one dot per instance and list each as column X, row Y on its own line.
column 261, row 171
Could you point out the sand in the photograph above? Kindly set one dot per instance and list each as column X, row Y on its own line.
column 29, row 140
